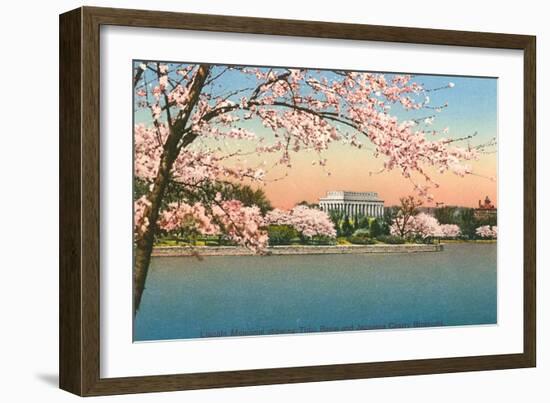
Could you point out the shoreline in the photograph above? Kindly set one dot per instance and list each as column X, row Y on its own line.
column 183, row 251
column 478, row 241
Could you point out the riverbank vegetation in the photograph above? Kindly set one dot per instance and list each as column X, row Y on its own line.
column 307, row 225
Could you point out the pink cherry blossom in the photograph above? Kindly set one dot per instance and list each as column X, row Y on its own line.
column 308, row 221
column 402, row 227
column 450, row 230
column 184, row 216
column 424, row 226
column 487, row 231
column 243, row 225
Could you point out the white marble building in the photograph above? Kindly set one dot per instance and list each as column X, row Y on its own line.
column 351, row 203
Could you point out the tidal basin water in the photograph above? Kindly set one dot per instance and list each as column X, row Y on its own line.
column 254, row 295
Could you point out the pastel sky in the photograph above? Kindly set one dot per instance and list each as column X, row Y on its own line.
column 472, row 108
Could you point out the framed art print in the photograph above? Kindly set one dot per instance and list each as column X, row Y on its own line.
column 249, row 201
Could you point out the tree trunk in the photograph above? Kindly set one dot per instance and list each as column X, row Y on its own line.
column 144, row 243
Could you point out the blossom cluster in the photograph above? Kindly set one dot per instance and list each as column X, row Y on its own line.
column 243, row 225
column 191, row 166
column 487, row 231
column 450, row 230
column 424, row 226
column 230, row 218
column 141, row 222
column 307, row 221
column 192, row 218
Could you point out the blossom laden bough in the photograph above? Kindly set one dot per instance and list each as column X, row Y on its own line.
column 183, row 216
column 243, row 225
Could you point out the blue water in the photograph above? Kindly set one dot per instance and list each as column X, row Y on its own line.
column 251, row 295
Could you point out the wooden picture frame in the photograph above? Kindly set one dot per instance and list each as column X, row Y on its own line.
column 79, row 346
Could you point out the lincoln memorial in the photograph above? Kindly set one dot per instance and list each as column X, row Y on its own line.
column 351, row 203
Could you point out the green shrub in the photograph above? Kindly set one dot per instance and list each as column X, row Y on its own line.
column 342, row 241
column 318, row 240
column 281, row 234
column 347, row 228
column 391, row 239
column 361, row 233
column 376, row 228
column 361, row 240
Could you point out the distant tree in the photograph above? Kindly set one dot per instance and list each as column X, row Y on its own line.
column 376, row 228
column 336, row 217
column 176, row 192
column 309, row 222
column 363, row 222
column 407, row 209
column 487, row 231
column 425, row 227
column 355, row 222
column 449, row 231
column 308, row 204
column 347, row 228
column 247, row 195
column 390, row 213
column 468, row 223
column 447, row 215
column 490, row 221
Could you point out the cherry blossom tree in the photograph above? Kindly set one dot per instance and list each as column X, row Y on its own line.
column 403, row 225
column 487, row 231
column 423, row 226
column 309, row 222
column 450, row 231
column 189, row 118
column 244, row 225
column 426, row 226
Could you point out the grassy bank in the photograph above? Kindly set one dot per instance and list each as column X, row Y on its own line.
column 340, row 241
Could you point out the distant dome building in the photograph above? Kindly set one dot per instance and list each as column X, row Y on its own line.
column 351, row 203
